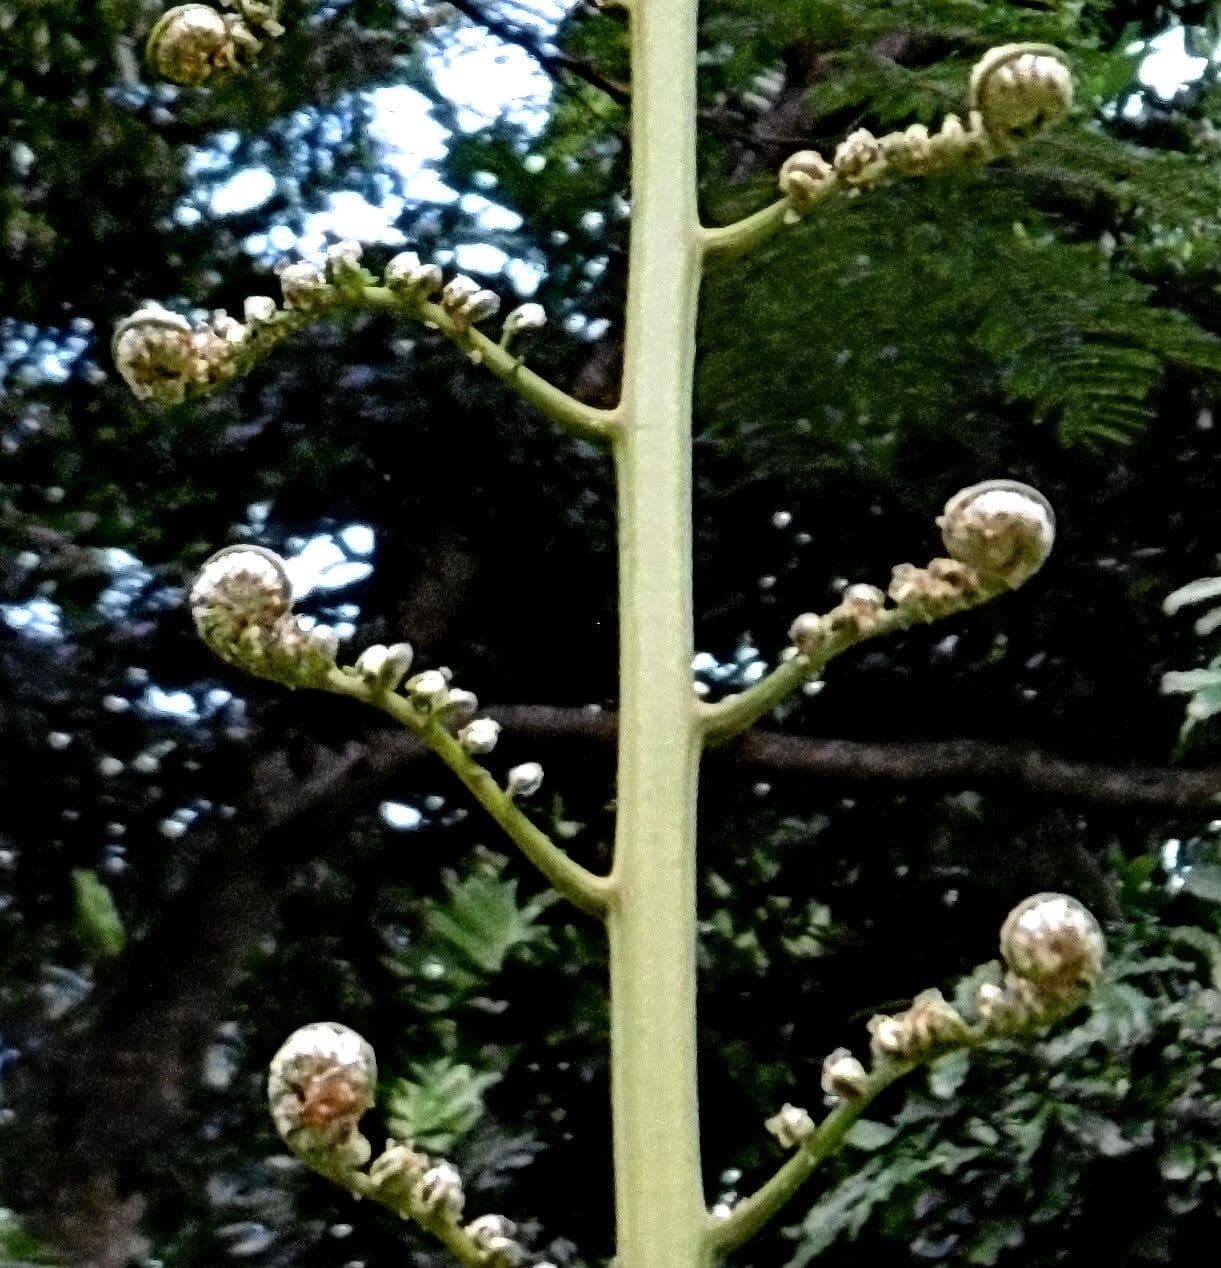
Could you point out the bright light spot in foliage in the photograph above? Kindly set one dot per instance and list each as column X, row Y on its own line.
column 396, row 814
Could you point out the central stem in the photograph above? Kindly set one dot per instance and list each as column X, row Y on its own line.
column 652, row 918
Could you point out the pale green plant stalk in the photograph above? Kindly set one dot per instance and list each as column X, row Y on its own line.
column 997, row 535
column 658, row 1189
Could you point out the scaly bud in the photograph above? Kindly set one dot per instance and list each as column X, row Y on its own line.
column 189, row 44
column 384, row 668
column 459, row 707
column 439, row 1192
column 843, row 1076
column 479, row 737
column 492, row 1236
column 858, row 611
column 303, row 286
column 428, row 690
column 888, row 1038
column 933, row 1023
column 481, row 306
column 406, row 273
column 259, row 310
column 524, row 319
column 792, row 1126
column 456, row 293
column 238, row 587
column 343, row 256
column 321, row 1083
column 810, row 633
column 1020, row 88
column 804, row 178
column 1002, row 529
column 1054, row 942
column 524, row 780
column 858, row 158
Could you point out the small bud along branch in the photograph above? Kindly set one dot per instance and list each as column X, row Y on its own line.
column 1016, row 90
column 998, row 534
column 1053, row 952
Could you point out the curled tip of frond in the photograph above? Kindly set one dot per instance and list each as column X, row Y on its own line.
column 193, row 43
column 1055, row 943
column 165, row 358
column 1002, row 529
column 320, row 1084
column 241, row 603
column 1018, row 89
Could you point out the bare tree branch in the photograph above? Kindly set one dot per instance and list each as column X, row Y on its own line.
column 961, row 763
column 553, row 62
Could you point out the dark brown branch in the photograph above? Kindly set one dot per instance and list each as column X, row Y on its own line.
column 553, row 62
column 941, row 763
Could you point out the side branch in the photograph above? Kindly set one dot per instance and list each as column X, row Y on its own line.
column 754, row 1212
column 451, row 1235
column 242, row 606
column 164, row 357
column 581, row 887
column 1053, row 952
column 997, row 533
column 737, row 713
column 320, row 1084
column 1016, row 90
